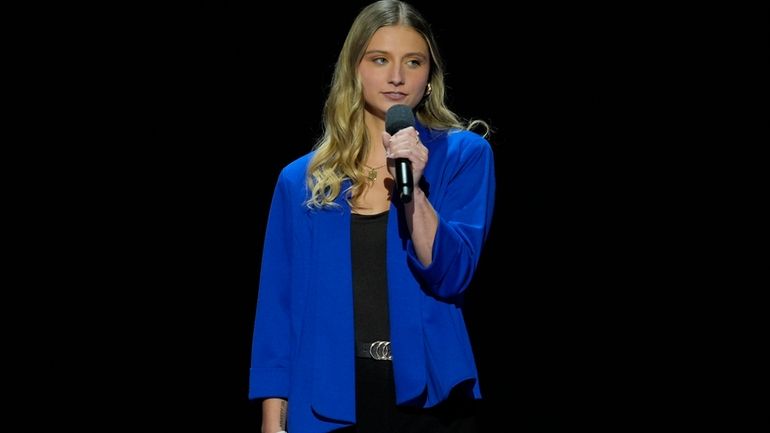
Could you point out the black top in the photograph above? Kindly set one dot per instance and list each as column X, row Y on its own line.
column 370, row 278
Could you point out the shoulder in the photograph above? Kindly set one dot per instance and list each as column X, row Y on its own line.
column 467, row 141
column 291, row 186
column 462, row 143
column 296, row 171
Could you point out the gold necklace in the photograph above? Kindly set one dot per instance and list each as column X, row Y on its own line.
column 373, row 172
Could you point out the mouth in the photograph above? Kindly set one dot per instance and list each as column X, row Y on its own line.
column 394, row 96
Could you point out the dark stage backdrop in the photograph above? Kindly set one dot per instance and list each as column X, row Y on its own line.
column 552, row 312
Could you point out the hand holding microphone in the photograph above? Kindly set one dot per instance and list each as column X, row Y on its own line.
column 402, row 143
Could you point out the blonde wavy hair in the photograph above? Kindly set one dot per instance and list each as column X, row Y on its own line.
column 341, row 151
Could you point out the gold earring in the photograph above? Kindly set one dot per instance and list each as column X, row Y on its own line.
column 427, row 92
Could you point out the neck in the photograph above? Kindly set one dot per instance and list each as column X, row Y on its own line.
column 375, row 151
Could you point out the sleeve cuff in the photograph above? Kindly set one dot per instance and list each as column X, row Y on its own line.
column 268, row 382
column 445, row 252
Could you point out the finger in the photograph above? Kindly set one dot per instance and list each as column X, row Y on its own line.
column 407, row 132
column 386, row 143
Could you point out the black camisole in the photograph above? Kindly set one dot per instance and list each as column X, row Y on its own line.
column 368, row 235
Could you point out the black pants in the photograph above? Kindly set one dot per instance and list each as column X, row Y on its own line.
column 376, row 410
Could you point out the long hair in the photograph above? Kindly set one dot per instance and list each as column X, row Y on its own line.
column 341, row 151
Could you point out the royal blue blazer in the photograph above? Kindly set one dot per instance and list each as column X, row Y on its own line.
column 303, row 342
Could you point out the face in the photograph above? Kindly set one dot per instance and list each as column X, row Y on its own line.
column 394, row 69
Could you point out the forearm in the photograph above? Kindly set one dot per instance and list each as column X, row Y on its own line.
column 423, row 223
column 274, row 415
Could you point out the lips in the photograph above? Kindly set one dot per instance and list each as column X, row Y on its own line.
column 394, row 96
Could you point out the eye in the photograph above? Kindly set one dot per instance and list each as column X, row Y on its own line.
column 414, row 63
column 379, row 60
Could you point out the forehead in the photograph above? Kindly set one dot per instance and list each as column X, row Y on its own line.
column 397, row 39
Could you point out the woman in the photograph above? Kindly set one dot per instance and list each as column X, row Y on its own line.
column 359, row 322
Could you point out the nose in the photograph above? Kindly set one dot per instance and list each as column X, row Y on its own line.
column 396, row 75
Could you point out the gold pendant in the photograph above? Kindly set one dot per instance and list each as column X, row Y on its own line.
column 372, row 175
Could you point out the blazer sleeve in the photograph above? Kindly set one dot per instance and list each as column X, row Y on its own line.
column 269, row 374
column 464, row 220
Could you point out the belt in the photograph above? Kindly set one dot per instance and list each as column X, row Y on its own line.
column 377, row 350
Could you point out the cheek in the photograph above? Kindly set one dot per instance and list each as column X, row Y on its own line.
column 364, row 76
column 369, row 81
column 424, row 77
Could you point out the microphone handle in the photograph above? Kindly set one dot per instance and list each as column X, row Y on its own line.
column 404, row 181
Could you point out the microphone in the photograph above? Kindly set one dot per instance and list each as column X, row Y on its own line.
column 397, row 118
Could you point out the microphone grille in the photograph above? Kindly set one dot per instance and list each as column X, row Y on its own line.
column 398, row 117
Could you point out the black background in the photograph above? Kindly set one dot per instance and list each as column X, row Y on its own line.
column 533, row 311
column 199, row 108
column 545, row 309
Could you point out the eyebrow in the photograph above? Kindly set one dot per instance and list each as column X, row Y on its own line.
column 412, row 54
